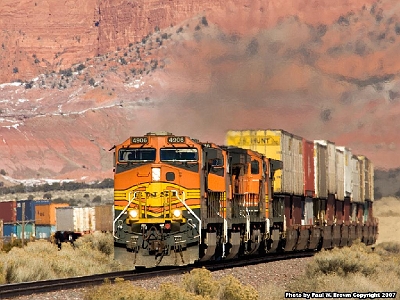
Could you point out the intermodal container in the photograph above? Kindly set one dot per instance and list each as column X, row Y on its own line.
column 330, row 164
column 65, row 219
column 276, row 144
column 356, row 195
column 367, row 178
column 308, row 167
column 347, row 171
column 84, row 219
column 29, row 213
column 29, row 230
column 339, row 174
column 9, row 230
column 45, row 212
column 103, row 217
column 320, row 171
column 76, row 219
column 308, row 212
column 8, row 211
column 44, row 231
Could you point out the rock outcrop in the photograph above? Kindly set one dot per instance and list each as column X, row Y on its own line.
column 79, row 76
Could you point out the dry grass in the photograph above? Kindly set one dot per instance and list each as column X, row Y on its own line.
column 387, row 210
column 358, row 268
column 197, row 285
column 42, row 260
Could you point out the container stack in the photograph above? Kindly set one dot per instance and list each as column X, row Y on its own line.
column 84, row 219
column 25, row 224
column 45, row 218
column 8, row 213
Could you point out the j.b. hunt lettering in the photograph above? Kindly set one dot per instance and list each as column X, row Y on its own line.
column 354, row 295
column 265, row 140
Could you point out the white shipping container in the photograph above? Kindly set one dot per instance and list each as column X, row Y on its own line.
column 340, row 174
column 76, row 219
column 320, row 171
column 84, row 219
column 347, row 171
column 356, row 180
column 276, row 144
column 330, row 165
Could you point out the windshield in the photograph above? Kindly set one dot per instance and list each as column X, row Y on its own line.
column 137, row 155
column 178, row 154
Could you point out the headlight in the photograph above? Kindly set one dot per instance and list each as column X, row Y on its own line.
column 177, row 213
column 133, row 213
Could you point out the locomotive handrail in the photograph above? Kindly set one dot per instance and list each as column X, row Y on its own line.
column 123, row 211
column 189, row 209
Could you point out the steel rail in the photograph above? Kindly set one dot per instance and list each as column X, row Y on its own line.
column 36, row 287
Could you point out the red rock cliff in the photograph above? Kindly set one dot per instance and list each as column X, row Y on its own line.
column 40, row 35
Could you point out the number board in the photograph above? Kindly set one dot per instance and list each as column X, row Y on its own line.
column 176, row 139
column 207, row 145
column 139, row 140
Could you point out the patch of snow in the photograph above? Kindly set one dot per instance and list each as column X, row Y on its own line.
column 32, row 182
column 15, row 126
column 10, row 84
column 23, row 100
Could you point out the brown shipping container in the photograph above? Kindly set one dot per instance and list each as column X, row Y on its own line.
column 308, row 166
column 8, row 211
column 104, row 217
column 46, row 213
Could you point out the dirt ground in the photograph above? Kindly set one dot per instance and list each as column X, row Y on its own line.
column 387, row 210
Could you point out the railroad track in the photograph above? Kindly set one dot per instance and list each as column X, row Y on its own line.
column 37, row 287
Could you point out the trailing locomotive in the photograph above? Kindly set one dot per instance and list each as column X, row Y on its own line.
column 178, row 198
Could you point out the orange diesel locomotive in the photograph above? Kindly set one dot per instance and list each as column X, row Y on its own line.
column 268, row 191
column 171, row 197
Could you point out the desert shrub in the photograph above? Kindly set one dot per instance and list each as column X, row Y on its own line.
column 349, row 269
column 232, row 289
column 14, row 243
column 357, row 259
column 391, row 247
column 41, row 260
column 196, row 285
column 97, row 199
column 102, row 242
column 200, row 282
column 119, row 290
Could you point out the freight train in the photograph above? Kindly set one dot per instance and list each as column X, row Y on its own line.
column 265, row 191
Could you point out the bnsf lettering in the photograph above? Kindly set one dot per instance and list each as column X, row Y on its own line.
column 176, row 139
column 157, row 194
column 139, row 140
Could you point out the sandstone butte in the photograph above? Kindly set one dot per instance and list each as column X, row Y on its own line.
column 297, row 52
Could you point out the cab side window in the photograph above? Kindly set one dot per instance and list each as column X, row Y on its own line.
column 255, row 167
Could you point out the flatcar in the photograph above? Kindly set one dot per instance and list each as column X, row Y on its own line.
column 178, row 200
